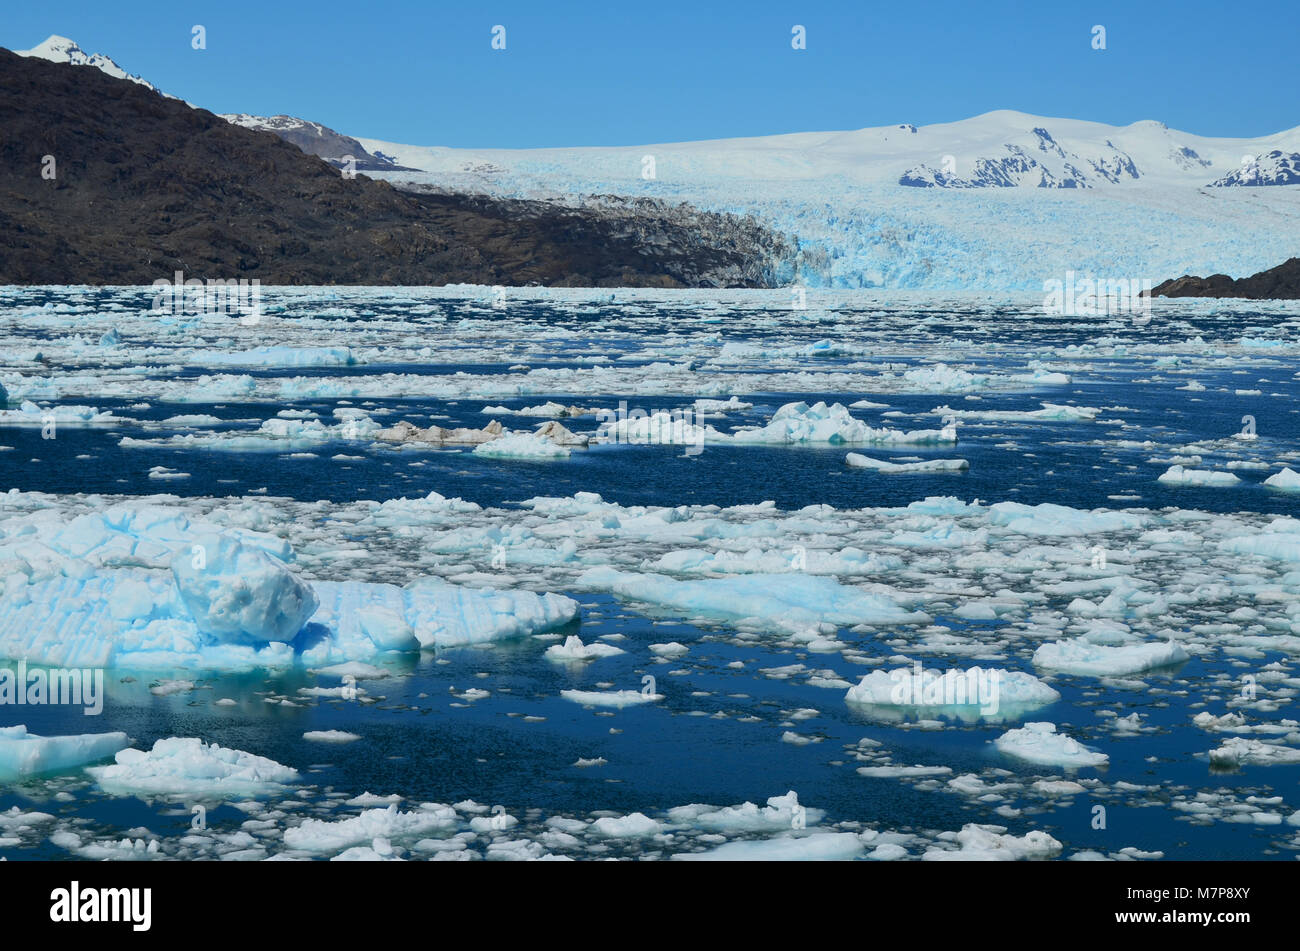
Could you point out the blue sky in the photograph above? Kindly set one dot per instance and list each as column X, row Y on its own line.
column 643, row 71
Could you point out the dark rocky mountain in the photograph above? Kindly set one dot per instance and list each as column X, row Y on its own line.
column 1279, row 283
column 144, row 186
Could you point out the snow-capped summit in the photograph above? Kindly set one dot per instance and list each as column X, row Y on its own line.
column 60, row 49
column 1271, row 168
column 999, row 149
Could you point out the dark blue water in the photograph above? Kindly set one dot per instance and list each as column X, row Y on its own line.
column 418, row 744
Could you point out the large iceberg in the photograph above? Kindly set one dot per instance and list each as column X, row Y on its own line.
column 147, row 588
column 240, row 594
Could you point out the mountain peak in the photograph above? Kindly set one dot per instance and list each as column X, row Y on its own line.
column 60, row 49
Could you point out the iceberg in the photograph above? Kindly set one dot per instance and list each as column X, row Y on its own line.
column 859, row 461
column 799, row 423
column 1051, row 412
column 1084, row 658
column 976, row 686
column 1177, row 475
column 610, row 698
column 813, row 847
column 96, row 591
column 239, row 594
column 574, row 649
column 990, row 843
column 1239, row 751
column 1288, row 480
column 321, row 835
column 1040, row 743
column 188, row 767
column 24, row 754
column 785, row 602
column 522, row 446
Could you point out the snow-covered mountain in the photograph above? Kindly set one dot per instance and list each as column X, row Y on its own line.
column 998, row 149
column 1273, row 168
column 1002, row 201
column 60, row 49
column 316, row 139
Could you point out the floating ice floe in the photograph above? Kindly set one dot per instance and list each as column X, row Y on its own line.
column 610, row 698
column 1051, row 412
column 1177, row 475
column 789, row 602
column 1240, row 751
column 731, row 405
column 1040, row 743
column 990, row 843
column 522, row 446
column 24, row 754
column 789, row 847
column 29, row 414
column 859, row 461
column 550, row 409
column 671, row 649
column 799, row 423
column 1085, row 658
column 988, row 688
column 239, row 594
column 1288, row 480
column 280, row 434
column 330, row 736
column 275, row 357
column 188, row 767
column 319, row 835
column 199, row 596
column 573, row 649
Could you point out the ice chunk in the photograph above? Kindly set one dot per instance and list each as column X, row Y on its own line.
column 522, row 446
column 26, row 754
column 833, row 425
column 1177, row 475
column 574, row 649
column 240, row 594
column 320, row 835
column 859, row 461
column 446, row 615
column 813, row 847
column 1288, row 480
column 1051, row 412
column 989, row 843
column 1239, row 751
column 974, row 687
column 186, row 766
column 1040, row 743
column 793, row 601
column 636, row 825
column 1082, row 657
column 610, row 698
column 1048, row 518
